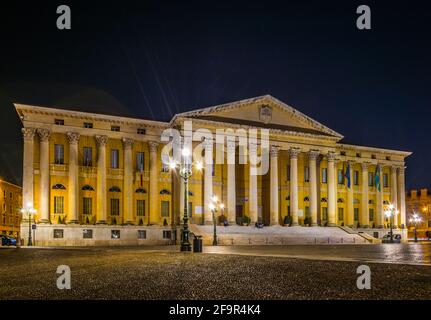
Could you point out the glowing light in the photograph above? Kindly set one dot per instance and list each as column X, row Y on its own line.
column 214, row 199
column 199, row 166
column 172, row 165
column 211, row 206
column 221, row 206
column 185, row 152
column 391, row 206
column 388, row 213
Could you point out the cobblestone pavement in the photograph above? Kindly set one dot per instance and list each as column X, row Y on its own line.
column 138, row 273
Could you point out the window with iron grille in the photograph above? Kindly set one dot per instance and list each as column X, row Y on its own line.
column 165, row 208
column 59, row 205
column 115, row 207
column 59, row 154
column 88, row 157
column 87, row 206
column 142, row 234
column 140, row 208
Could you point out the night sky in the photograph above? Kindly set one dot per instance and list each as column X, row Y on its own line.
column 154, row 59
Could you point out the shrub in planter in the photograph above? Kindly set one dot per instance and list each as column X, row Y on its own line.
column 141, row 222
column 222, row 219
column 287, row 220
column 246, row 220
column 165, row 222
column 307, row 221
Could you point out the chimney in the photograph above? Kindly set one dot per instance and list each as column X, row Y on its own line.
column 424, row 193
column 414, row 194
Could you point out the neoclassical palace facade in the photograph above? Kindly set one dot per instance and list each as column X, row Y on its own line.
column 101, row 177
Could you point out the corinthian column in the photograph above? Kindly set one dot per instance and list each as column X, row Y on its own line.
column 350, row 210
column 293, row 153
column 274, row 186
column 331, row 189
column 402, row 197
column 252, row 185
column 231, row 189
column 27, row 170
column 154, row 215
column 101, row 179
column 312, row 156
column 394, row 197
column 44, row 136
column 208, row 181
column 379, row 201
column 128, row 181
column 73, row 138
column 364, row 212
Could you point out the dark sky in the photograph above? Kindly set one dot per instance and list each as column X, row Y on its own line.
column 154, row 59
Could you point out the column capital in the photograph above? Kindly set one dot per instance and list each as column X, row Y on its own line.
column 73, row 137
column 331, row 156
column 44, row 134
column 364, row 165
column 294, row 152
column 401, row 170
column 28, row 133
column 273, row 151
column 101, row 140
column 127, row 143
column 313, row 154
column 153, row 146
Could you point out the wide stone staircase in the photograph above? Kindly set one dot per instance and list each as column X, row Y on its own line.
column 278, row 235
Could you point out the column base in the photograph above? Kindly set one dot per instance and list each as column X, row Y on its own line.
column 232, row 223
column 44, row 221
column 331, row 224
column 314, row 224
column 294, row 224
column 73, row 222
column 101, row 222
column 380, row 226
column 274, row 223
column 365, row 226
column 350, row 225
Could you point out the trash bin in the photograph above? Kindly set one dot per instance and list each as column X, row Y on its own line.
column 197, row 244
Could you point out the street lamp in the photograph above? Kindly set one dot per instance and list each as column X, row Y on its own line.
column 391, row 212
column 185, row 171
column 415, row 220
column 214, row 206
column 29, row 210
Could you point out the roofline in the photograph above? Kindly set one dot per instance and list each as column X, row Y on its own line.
column 381, row 150
column 10, row 183
column 83, row 114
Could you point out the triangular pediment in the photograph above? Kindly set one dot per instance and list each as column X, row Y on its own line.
column 265, row 111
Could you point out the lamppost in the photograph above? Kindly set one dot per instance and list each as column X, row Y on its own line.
column 391, row 212
column 185, row 172
column 215, row 205
column 415, row 220
column 29, row 210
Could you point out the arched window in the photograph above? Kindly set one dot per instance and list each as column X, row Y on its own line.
column 386, row 202
column 114, row 189
column 58, row 186
column 306, row 199
column 323, row 200
column 141, row 190
column 288, row 198
column 370, row 201
column 340, row 200
column 87, row 187
column 356, row 201
column 164, row 191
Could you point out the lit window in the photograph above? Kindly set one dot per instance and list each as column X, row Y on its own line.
column 88, row 157
column 115, row 207
column 356, row 178
column 370, row 179
column 140, row 161
column 115, row 234
column 340, row 176
column 140, row 208
column 385, row 180
column 88, row 125
column 115, row 128
column 115, row 159
column 59, row 122
column 324, row 175
column 87, row 206
column 59, row 154
column 140, row 131
column 165, row 208
column 58, row 205
column 306, row 174
column 142, row 234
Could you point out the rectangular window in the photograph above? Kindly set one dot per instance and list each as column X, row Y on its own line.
column 115, row 128
column 140, row 161
column 306, row 174
column 87, row 206
column 88, row 157
column 140, row 208
column 370, row 179
column 115, row 234
column 324, row 213
column 59, row 122
column 88, row 125
column 340, row 176
column 167, row 234
column 356, row 214
column 356, row 178
column 115, row 159
column 59, row 154
column 165, row 208
column 115, row 207
column 87, row 234
column 140, row 131
column 371, row 214
column 307, row 212
column 385, row 180
column 58, row 233
column 142, row 234
column 340, row 214
column 58, row 205
column 324, row 175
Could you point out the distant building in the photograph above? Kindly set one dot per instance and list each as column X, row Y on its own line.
column 10, row 205
column 420, row 204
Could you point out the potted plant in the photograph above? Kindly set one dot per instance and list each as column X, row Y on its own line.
column 287, row 221
column 141, row 222
column 165, row 222
column 246, row 220
column 222, row 219
column 307, row 221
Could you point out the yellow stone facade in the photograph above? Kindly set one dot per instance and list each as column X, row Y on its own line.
column 299, row 146
column 10, row 205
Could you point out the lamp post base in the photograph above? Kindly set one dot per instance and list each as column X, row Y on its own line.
column 186, row 247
